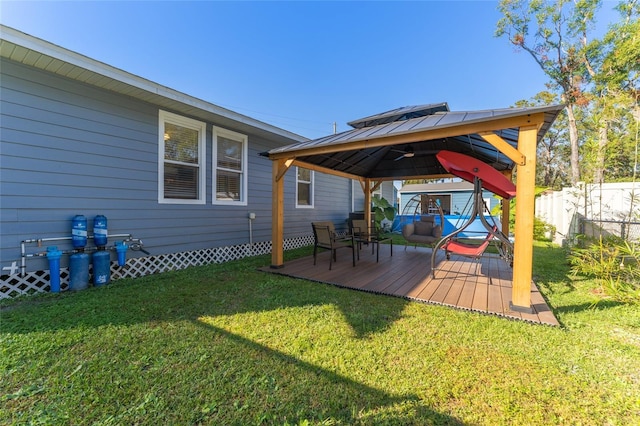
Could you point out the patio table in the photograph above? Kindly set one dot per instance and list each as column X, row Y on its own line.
column 375, row 241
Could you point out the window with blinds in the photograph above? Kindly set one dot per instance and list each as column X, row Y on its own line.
column 304, row 187
column 230, row 160
column 181, row 166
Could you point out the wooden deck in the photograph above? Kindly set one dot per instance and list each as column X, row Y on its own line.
column 481, row 286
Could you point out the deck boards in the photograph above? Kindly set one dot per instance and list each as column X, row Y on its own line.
column 479, row 285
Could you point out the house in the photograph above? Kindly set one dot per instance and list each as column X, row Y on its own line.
column 176, row 176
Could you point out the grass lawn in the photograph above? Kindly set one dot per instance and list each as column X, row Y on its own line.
column 228, row 345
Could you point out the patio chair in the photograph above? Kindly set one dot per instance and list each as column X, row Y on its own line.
column 361, row 232
column 325, row 237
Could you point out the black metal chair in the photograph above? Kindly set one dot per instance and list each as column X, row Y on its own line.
column 325, row 237
column 361, row 232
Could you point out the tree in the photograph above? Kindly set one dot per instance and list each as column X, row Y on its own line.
column 613, row 97
column 555, row 35
column 617, row 93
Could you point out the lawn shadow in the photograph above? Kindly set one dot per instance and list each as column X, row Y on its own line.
column 367, row 313
column 602, row 303
column 311, row 392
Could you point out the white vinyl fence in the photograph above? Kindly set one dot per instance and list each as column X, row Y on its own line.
column 567, row 209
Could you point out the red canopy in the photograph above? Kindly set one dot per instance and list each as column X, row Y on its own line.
column 468, row 168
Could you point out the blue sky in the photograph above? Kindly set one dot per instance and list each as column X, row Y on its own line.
column 299, row 65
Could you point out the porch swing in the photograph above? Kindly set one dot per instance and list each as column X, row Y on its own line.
column 482, row 176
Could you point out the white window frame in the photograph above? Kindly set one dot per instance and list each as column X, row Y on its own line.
column 311, row 189
column 377, row 191
column 201, row 128
column 244, row 140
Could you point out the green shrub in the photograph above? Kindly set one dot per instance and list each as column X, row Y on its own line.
column 382, row 209
column 542, row 231
column 613, row 263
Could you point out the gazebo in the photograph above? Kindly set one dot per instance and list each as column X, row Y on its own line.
column 402, row 143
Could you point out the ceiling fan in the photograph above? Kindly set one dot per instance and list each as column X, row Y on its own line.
column 406, row 153
column 409, row 152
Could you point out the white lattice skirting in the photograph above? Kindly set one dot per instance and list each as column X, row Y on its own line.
column 38, row 281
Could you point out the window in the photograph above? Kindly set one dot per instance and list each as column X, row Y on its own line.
column 304, row 188
column 377, row 191
column 181, row 171
column 230, row 163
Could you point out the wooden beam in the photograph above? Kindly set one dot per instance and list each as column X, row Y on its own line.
column 325, row 170
column 427, row 134
column 502, row 146
column 360, row 178
column 523, row 250
column 279, row 168
column 283, row 166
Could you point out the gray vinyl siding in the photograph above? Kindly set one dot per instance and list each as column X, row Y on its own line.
column 70, row 148
column 332, row 201
column 358, row 196
column 461, row 201
column 388, row 192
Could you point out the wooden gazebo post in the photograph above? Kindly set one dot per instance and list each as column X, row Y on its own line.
column 279, row 169
column 525, row 158
column 366, row 188
column 523, row 248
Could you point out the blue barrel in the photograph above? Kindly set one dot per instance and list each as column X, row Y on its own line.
column 78, row 271
column 100, row 231
column 53, row 254
column 101, row 267
column 121, row 249
column 79, row 231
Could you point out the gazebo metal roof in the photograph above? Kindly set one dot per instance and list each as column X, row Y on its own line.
column 375, row 148
column 399, row 114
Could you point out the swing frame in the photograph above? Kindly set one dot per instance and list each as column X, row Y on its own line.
column 470, row 250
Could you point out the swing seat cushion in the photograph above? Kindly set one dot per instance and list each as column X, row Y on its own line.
column 463, row 249
column 470, row 250
column 424, row 231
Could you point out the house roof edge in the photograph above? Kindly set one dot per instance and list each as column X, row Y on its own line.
column 43, row 47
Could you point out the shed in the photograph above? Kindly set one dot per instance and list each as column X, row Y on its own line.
column 453, row 196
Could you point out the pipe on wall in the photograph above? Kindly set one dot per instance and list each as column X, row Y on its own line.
column 135, row 244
